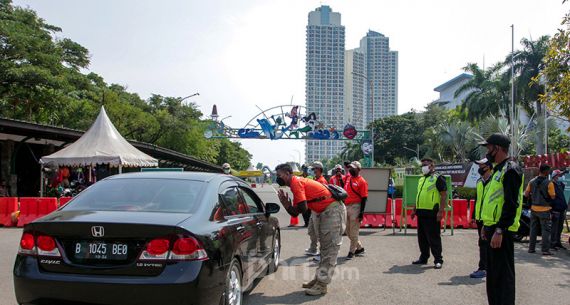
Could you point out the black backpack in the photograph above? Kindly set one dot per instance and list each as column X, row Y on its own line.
column 338, row 193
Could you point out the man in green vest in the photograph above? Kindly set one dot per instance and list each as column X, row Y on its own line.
column 485, row 170
column 430, row 205
column 502, row 206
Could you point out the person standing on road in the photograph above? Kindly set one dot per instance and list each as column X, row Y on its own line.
column 502, row 206
column 430, row 205
column 559, row 207
column 312, row 250
column 541, row 192
column 329, row 217
column 338, row 177
column 357, row 189
column 485, row 170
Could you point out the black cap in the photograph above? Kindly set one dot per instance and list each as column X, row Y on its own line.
column 427, row 159
column 498, row 139
column 346, row 163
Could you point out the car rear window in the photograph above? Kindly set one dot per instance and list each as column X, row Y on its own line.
column 141, row 195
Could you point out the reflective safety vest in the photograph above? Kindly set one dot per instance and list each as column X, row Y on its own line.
column 495, row 199
column 481, row 191
column 428, row 195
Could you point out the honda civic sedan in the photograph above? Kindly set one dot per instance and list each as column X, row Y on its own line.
column 150, row 238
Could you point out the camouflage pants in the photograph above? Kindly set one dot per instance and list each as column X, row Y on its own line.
column 312, row 233
column 353, row 226
column 329, row 225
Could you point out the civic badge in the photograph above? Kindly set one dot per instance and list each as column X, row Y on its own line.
column 97, row 231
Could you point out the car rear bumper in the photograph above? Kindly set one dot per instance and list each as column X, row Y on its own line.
column 179, row 283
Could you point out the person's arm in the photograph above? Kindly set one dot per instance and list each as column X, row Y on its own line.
column 551, row 191
column 527, row 190
column 511, row 185
column 441, row 186
column 293, row 210
column 364, row 191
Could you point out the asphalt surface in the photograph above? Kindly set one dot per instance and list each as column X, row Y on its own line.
column 383, row 276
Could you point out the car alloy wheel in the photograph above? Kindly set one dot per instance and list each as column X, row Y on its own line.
column 275, row 256
column 234, row 291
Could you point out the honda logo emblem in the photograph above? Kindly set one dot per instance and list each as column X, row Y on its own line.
column 97, row 231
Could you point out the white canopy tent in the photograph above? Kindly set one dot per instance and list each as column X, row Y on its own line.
column 101, row 144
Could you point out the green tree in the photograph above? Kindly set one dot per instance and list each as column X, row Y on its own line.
column 556, row 72
column 393, row 133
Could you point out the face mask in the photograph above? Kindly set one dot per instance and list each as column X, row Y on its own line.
column 482, row 171
column 353, row 172
column 280, row 181
column 226, row 171
column 425, row 169
column 490, row 156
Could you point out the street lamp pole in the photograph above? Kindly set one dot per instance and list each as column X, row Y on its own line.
column 417, row 151
column 370, row 84
column 189, row 96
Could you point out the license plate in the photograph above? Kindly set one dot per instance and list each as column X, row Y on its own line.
column 100, row 251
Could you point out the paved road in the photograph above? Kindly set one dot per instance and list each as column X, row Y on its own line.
column 384, row 276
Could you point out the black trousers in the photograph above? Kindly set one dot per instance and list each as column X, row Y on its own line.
column 429, row 238
column 500, row 270
column 482, row 248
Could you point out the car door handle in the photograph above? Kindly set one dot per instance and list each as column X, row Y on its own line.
column 240, row 229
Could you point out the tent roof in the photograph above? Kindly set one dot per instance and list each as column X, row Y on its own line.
column 101, row 144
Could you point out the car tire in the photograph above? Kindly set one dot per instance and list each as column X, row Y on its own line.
column 275, row 254
column 233, row 292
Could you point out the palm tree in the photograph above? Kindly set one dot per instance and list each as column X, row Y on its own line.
column 487, row 92
column 527, row 65
column 352, row 151
column 458, row 136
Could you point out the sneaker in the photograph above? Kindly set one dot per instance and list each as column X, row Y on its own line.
column 531, row 251
column 561, row 247
column 310, row 284
column 317, row 289
column 350, row 256
column 310, row 252
column 359, row 252
column 547, row 253
column 419, row 262
column 438, row 266
column 479, row 274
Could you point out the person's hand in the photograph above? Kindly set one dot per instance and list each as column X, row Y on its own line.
column 496, row 241
column 413, row 215
column 360, row 217
column 483, row 236
column 284, row 199
column 439, row 216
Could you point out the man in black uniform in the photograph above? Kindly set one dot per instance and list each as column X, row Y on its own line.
column 502, row 208
column 430, row 206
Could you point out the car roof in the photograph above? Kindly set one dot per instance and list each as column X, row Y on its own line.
column 195, row 176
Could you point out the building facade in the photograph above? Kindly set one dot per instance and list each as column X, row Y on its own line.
column 382, row 70
column 354, row 88
column 324, row 82
column 447, row 98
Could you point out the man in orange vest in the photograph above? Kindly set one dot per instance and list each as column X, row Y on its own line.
column 337, row 177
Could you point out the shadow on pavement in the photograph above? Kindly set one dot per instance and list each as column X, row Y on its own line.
column 296, row 297
column 408, row 269
column 461, row 280
column 297, row 260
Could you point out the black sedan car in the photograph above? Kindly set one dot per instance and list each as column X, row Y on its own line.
column 150, row 238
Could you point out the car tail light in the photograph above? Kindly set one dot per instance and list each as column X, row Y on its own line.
column 187, row 248
column 46, row 246
column 27, row 244
column 156, row 249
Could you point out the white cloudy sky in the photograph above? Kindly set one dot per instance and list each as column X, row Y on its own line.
column 239, row 54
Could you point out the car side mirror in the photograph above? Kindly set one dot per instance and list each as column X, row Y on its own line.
column 272, row 208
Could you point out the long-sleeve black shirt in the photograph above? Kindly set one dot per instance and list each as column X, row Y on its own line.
column 511, row 189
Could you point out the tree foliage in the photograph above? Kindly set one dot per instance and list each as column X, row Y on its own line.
column 41, row 80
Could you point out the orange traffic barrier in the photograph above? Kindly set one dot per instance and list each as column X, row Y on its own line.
column 64, row 200
column 28, row 210
column 460, row 213
column 46, row 205
column 294, row 221
column 8, row 205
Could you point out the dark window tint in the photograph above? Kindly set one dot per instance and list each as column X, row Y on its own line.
column 234, row 202
column 146, row 195
column 252, row 201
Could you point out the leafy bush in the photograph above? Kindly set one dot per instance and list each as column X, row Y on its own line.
column 466, row 192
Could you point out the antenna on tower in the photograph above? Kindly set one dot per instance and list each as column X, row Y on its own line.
column 292, row 99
